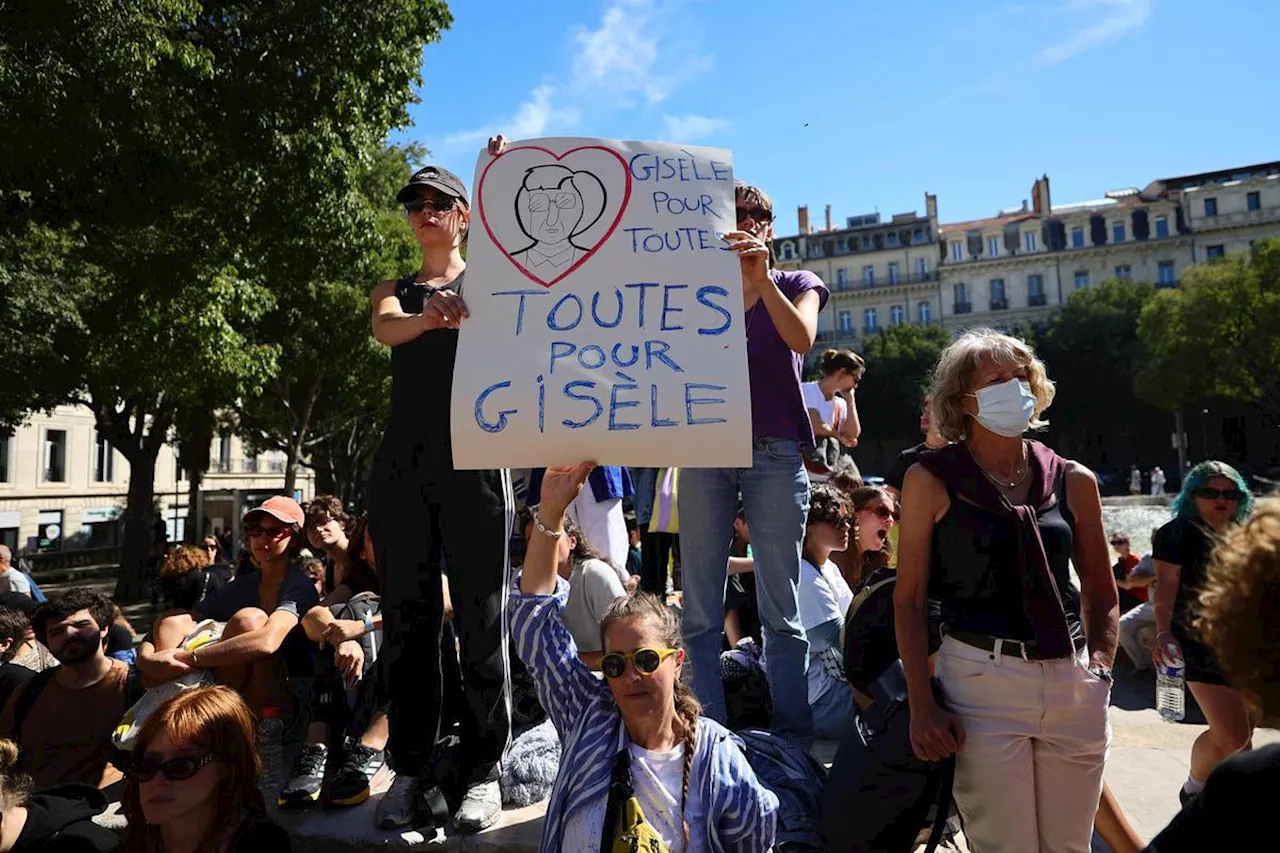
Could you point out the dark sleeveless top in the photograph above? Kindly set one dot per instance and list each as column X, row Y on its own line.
column 974, row 568
column 422, row 373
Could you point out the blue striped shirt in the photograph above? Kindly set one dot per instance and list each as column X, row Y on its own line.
column 742, row 812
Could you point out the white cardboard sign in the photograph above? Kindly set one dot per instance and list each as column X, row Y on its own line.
column 606, row 312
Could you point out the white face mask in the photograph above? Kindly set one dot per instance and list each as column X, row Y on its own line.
column 1006, row 409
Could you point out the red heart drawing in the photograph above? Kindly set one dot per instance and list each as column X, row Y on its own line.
column 586, row 251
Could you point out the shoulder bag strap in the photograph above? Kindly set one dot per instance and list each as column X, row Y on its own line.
column 620, row 790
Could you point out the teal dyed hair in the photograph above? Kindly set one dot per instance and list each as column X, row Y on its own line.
column 1184, row 505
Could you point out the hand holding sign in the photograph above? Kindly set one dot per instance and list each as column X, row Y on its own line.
column 606, row 321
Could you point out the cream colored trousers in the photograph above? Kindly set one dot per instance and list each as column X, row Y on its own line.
column 1036, row 735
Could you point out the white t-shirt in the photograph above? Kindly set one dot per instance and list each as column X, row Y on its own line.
column 15, row 581
column 831, row 412
column 824, row 596
column 593, row 586
column 658, row 780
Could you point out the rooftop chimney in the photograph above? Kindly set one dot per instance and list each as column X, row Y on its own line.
column 931, row 207
column 1040, row 196
column 802, row 215
column 829, row 228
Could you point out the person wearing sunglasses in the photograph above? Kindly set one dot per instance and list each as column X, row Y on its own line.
column 688, row 774
column 991, row 525
column 191, row 787
column 781, row 316
column 875, row 517
column 263, row 652
column 1214, row 499
column 421, row 508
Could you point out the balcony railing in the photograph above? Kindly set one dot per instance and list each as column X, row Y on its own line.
column 249, row 465
column 963, row 307
column 999, row 303
column 868, row 331
column 908, row 278
column 222, row 466
column 1036, row 299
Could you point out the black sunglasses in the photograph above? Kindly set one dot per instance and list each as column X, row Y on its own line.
column 1211, row 494
column 758, row 214
column 175, row 769
column 440, row 204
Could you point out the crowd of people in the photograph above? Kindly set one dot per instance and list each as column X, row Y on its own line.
column 684, row 633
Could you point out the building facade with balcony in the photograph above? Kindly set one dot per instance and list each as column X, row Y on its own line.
column 62, row 485
column 1021, row 265
column 880, row 273
column 1230, row 209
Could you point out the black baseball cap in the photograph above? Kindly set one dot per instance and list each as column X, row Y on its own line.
column 436, row 178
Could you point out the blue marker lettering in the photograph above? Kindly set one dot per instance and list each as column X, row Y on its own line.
column 542, row 404
column 569, row 392
column 582, row 357
column 654, row 420
column 690, row 401
column 642, row 286
column 667, row 309
column 551, row 318
column 615, row 404
column 635, row 355
column 704, row 298
column 501, row 423
column 520, row 311
column 559, row 350
column 595, row 310
column 719, row 171
column 658, row 350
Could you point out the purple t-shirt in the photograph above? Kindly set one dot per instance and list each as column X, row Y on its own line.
column 777, row 405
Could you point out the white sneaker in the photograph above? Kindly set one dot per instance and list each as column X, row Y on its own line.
column 480, row 807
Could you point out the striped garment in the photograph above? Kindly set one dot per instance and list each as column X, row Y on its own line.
column 591, row 735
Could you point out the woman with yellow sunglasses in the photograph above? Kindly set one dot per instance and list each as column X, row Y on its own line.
column 637, row 760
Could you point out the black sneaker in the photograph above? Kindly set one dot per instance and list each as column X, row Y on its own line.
column 303, row 787
column 351, row 786
column 1185, row 796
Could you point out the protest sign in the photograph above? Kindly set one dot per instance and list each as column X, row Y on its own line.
column 605, row 310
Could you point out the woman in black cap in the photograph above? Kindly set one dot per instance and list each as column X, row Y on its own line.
column 424, row 514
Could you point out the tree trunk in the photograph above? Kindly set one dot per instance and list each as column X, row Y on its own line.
column 298, row 439
column 193, row 530
column 139, row 531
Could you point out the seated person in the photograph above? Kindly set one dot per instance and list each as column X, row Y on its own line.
column 1138, row 624
column 191, row 783
column 314, row 569
column 57, row 820
column 262, row 642
column 690, row 777
column 327, row 529
column 188, row 576
column 344, row 665
column 741, row 612
column 14, row 628
column 1240, row 622
column 593, row 587
column 62, row 719
column 1133, row 591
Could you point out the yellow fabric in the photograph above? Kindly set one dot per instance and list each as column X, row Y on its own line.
column 634, row 834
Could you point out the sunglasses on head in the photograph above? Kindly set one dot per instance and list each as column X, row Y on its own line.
column 1211, row 494
column 438, row 203
column 884, row 513
column 647, row 661
column 757, row 214
column 175, row 769
column 254, row 532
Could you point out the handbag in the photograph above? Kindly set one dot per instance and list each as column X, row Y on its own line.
column 666, row 499
column 625, row 828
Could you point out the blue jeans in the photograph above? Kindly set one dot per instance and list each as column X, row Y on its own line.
column 775, row 495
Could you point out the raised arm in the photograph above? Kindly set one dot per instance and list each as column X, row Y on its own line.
column 851, row 430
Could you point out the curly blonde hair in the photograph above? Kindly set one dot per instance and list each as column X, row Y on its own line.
column 960, row 362
column 184, row 560
column 1239, row 614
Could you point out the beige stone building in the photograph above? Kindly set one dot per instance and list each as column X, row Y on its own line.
column 880, row 273
column 62, row 486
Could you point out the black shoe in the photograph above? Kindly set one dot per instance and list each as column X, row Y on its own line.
column 1185, row 796
column 303, row 787
column 351, row 786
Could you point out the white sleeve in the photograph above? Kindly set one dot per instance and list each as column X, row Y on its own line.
column 812, row 396
column 601, row 586
column 818, row 601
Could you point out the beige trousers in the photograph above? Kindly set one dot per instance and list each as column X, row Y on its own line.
column 1036, row 735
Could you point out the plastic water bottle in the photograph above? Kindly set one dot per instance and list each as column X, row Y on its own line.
column 271, row 751
column 1170, row 686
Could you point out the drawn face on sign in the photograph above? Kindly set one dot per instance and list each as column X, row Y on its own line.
column 549, row 212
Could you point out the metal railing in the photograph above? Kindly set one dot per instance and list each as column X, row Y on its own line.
column 963, row 307
column 1036, row 299
column 999, row 303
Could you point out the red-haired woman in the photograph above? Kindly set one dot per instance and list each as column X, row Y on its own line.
column 192, row 785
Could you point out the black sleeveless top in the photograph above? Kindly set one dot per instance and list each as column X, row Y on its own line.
column 974, row 571
column 422, row 372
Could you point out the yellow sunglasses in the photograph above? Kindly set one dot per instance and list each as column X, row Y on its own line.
column 647, row 661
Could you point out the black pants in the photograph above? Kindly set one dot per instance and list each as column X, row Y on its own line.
column 655, row 556
column 422, row 511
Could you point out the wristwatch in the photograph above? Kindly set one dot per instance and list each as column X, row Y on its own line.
column 1103, row 673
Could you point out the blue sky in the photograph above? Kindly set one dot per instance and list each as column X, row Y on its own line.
column 867, row 105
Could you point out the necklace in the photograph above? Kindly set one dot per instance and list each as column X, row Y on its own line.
column 1000, row 481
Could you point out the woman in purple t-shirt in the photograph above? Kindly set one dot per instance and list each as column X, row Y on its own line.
column 781, row 319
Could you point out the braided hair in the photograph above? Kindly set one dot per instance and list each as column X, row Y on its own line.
column 648, row 607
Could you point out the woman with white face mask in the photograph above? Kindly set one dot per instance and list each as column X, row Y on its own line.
column 990, row 524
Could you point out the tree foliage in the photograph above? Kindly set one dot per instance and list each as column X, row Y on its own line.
column 1218, row 334
column 172, row 170
column 900, row 362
